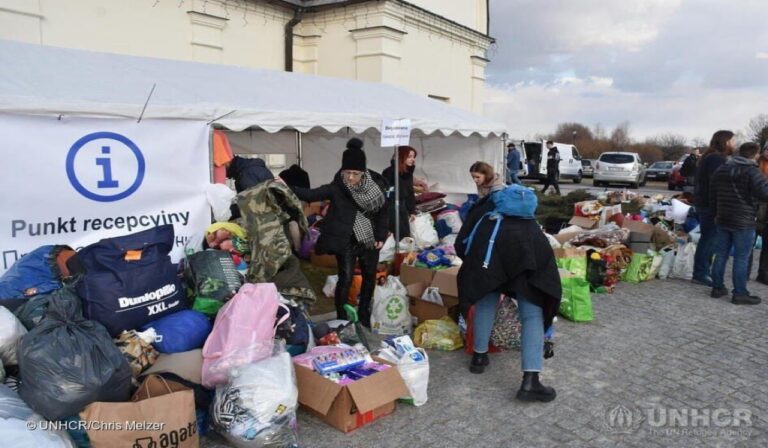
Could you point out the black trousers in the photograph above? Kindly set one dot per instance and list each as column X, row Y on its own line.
column 369, row 260
column 762, row 269
column 551, row 180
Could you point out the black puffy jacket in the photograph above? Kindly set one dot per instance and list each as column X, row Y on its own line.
column 248, row 173
column 522, row 262
column 407, row 199
column 706, row 166
column 735, row 191
column 336, row 228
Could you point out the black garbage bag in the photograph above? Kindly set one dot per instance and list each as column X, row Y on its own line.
column 67, row 362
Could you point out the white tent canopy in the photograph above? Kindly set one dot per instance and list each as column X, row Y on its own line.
column 37, row 79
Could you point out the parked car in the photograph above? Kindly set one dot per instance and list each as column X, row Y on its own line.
column 659, row 170
column 619, row 167
column 535, row 156
column 586, row 168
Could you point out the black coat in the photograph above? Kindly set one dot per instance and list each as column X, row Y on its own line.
column 407, row 199
column 735, row 191
column 522, row 262
column 248, row 173
column 706, row 166
column 336, row 230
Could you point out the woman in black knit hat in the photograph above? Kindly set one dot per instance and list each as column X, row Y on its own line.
column 355, row 227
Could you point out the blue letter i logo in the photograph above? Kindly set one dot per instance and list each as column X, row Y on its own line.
column 106, row 169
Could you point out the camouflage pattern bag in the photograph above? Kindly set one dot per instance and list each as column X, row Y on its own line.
column 139, row 353
column 506, row 328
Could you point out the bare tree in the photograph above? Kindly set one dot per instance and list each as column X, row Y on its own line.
column 672, row 145
column 620, row 136
column 571, row 132
column 598, row 131
column 699, row 142
column 757, row 130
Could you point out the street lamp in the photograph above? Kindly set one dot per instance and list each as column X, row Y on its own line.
column 575, row 133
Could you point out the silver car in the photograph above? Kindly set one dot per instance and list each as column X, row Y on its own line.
column 619, row 167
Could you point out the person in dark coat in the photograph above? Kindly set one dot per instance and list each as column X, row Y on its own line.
column 522, row 265
column 736, row 189
column 720, row 148
column 248, row 173
column 355, row 227
column 553, row 168
column 406, row 164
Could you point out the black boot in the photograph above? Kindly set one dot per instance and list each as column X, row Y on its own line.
column 745, row 299
column 533, row 390
column 479, row 362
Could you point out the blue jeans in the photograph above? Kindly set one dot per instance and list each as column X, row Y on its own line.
column 512, row 177
column 702, row 265
column 531, row 339
column 742, row 242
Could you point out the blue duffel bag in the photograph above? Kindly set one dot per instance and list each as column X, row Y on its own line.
column 129, row 281
column 180, row 332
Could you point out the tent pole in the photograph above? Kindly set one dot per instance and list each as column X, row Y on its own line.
column 397, row 201
column 299, row 151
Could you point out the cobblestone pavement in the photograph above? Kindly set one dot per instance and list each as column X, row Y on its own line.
column 654, row 351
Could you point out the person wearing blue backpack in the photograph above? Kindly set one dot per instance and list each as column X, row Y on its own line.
column 504, row 251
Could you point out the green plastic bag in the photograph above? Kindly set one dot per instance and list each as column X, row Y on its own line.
column 441, row 334
column 573, row 261
column 639, row 270
column 576, row 304
column 209, row 307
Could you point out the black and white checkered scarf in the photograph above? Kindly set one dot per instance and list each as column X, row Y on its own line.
column 369, row 199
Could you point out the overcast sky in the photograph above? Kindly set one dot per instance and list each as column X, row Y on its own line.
column 683, row 66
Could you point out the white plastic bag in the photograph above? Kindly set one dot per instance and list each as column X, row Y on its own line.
column 387, row 251
column 423, row 231
column 257, row 406
column 329, row 289
column 695, row 234
column 11, row 331
column 683, row 266
column 432, row 295
column 449, row 240
column 668, row 260
column 415, row 374
column 553, row 241
column 679, row 211
column 407, row 244
column 220, row 198
column 17, row 421
column 452, row 219
column 390, row 315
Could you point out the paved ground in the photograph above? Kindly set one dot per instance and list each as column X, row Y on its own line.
column 651, row 188
column 662, row 347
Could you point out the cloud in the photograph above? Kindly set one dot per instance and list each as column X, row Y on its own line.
column 665, row 65
column 530, row 108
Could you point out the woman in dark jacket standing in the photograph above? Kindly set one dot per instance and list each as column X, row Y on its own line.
column 720, row 148
column 406, row 163
column 522, row 265
column 355, row 226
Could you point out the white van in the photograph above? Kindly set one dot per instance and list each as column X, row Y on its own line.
column 534, row 156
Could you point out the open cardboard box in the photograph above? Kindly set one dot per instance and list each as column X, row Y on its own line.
column 583, row 222
column 323, row 261
column 416, row 280
column 349, row 407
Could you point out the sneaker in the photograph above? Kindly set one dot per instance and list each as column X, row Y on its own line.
column 718, row 292
column 744, row 299
column 479, row 362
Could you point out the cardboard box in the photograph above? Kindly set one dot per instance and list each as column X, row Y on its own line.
column 584, row 223
column 607, row 212
column 640, row 247
column 323, row 261
column 349, row 407
column 416, row 280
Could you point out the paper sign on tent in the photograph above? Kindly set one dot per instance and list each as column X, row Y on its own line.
column 395, row 132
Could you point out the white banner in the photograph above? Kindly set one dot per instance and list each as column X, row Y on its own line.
column 395, row 132
column 76, row 181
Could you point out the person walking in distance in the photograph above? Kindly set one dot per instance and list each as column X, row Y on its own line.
column 720, row 148
column 553, row 167
column 736, row 189
column 513, row 164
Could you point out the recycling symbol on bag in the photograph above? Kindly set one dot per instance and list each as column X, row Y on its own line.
column 394, row 307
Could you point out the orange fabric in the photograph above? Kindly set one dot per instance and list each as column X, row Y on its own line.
column 222, row 152
column 763, row 166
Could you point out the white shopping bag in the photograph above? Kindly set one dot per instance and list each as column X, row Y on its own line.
column 390, row 315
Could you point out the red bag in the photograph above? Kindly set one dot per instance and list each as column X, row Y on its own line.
column 469, row 339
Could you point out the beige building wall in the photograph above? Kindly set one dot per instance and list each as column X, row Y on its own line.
column 377, row 41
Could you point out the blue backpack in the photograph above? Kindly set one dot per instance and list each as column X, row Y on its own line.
column 513, row 201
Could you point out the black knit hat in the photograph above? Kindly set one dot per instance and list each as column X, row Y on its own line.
column 354, row 157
